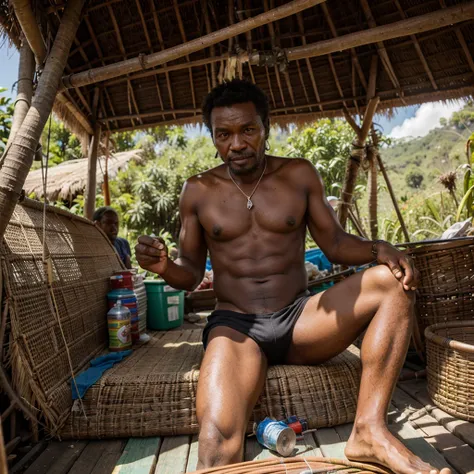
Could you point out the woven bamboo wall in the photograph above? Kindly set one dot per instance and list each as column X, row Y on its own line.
column 82, row 260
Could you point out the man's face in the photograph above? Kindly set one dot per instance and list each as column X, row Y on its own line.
column 110, row 224
column 239, row 136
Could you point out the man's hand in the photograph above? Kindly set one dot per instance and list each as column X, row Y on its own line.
column 400, row 265
column 152, row 254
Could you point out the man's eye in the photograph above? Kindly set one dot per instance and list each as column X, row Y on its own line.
column 223, row 135
column 249, row 130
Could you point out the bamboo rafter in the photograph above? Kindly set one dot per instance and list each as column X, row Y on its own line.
column 124, row 54
column 159, row 35
column 145, row 62
column 355, row 59
column 387, row 63
column 416, row 44
column 461, row 40
column 183, row 37
column 299, row 18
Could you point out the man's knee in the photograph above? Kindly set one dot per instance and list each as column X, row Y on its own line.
column 218, row 444
column 382, row 278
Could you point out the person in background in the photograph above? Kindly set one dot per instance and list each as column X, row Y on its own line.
column 107, row 219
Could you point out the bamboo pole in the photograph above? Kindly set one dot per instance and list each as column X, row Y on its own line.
column 392, row 196
column 419, row 24
column 414, row 25
column 3, row 454
column 105, row 185
column 373, row 220
column 357, row 154
column 91, row 185
column 155, row 59
column 19, row 157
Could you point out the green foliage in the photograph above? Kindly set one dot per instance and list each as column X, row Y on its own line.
column 327, row 144
column 6, row 114
column 414, row 179
column 63, row 144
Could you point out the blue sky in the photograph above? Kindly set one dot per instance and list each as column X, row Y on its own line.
column 407, row 121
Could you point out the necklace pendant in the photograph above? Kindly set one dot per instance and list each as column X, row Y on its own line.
column 249, row 204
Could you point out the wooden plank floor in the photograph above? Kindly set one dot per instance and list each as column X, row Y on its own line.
column 412, row 418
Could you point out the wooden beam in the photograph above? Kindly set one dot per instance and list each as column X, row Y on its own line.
column 124, row 54
column 207, row 22
column 371, row 90
column 159, row 35
column 387, row 64
column 91, row 185
column 414, row 25
column 299, row 18
column 183, row 37
column 416, row 44
column 152, row 114
column 155, row 59
column 354, row 56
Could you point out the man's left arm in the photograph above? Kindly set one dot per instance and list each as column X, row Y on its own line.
column 344, row 248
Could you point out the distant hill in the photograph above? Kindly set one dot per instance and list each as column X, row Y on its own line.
column 442, row 150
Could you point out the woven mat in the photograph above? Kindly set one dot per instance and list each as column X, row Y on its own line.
column 82, row 261
column 153, row 392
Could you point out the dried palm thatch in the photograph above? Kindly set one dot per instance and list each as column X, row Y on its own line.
column 426, row 63
column 54, row 327
column 69, row 178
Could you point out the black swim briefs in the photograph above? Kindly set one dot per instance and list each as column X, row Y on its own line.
column 271, row 331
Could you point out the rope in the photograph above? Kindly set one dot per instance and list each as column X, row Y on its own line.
column 48, row 267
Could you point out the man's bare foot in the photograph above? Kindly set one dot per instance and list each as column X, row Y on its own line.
column 369, row 443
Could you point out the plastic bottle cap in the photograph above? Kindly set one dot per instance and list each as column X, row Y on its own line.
column 118, row 304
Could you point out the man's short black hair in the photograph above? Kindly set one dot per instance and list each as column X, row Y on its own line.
column 99, row 213
column 233, row 92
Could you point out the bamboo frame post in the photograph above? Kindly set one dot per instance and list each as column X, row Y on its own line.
column 357, row 154
column 18, row 159
column 105, row 186
column 91, row 185
column 373, row 218
column 392, row 196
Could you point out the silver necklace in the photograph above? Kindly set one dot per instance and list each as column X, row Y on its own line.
column 249, row 198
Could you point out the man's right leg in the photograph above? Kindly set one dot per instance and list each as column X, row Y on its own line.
column 231, row 379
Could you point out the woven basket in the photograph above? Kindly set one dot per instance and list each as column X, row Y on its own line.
column 296, row 465
column 450, row 367
column 446, row 290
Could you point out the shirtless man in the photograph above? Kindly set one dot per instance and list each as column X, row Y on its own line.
column 251, row 213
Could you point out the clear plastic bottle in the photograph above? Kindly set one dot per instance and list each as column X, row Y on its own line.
column 120, row 329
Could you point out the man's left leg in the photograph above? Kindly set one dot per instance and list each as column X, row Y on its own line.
column 376, row 301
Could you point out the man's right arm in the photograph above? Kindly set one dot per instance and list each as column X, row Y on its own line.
column 187, row 271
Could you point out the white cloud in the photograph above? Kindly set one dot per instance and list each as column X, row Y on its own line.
column 426, row 118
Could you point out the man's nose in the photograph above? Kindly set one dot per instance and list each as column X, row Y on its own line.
column 237, row 143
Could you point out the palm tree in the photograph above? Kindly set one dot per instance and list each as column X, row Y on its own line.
column 19, row 157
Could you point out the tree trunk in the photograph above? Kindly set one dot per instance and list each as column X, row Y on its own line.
column 26, row 71
column 372, row 159
column 19, row 157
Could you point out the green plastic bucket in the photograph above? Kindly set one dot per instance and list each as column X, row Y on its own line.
column 165, row 305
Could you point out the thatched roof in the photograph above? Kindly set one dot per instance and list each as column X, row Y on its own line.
column 433, row 64
column 69, row 178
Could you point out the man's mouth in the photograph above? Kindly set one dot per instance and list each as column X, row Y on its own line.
column 238, row 160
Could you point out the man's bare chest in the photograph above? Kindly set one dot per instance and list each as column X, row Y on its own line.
column 277, row 208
